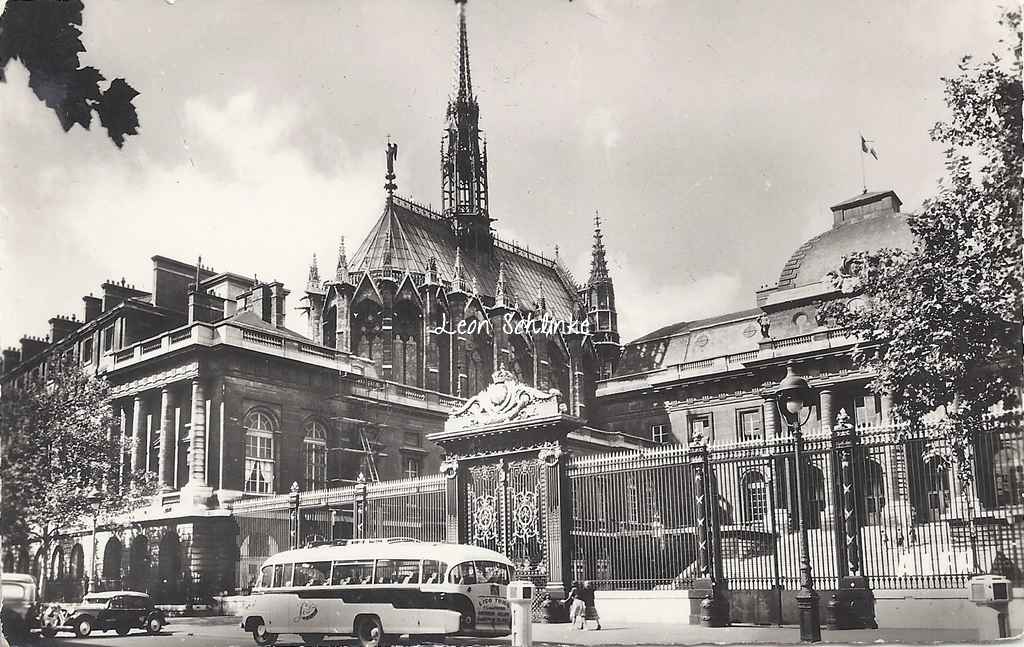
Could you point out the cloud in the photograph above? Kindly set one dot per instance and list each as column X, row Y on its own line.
column 242, row 194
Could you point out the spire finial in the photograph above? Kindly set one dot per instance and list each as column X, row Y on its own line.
column 459, row 274
column 313, row 282
column 501, row 289
column 392, row 155
column 465, row 81
column 598, row 261
column 341, row 274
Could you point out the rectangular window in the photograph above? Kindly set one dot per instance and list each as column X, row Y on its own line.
column 411, row 439
column 108, row 338
column 312, row 574
column 316, row 464
column 282, row 575
column 860, row 411
column 433, row 571
column 751, row 426
column 397, row 571
column 87, row 351
column 259, row 463
column 346, row 573
column 412, row 467
column 701, row 431
column 660, row 434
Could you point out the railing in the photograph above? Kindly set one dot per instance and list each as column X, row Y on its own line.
column 262, row 338
column 740, row 358
column 180, row 335
column 636, row 524
column 152, row 345
column 793, row 341
column 317, row 351
column 124, row 355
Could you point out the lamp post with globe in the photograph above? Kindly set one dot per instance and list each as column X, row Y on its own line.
column 791, row 397
column 93, row 497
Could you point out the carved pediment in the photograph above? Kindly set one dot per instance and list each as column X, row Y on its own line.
column 506, row 399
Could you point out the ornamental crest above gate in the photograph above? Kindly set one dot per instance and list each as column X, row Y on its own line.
column 506, row 399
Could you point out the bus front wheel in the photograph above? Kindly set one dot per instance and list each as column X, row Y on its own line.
column 370, row 632
column 261, row 636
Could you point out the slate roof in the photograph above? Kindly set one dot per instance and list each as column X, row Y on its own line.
column 248, row 319
column 414, row 234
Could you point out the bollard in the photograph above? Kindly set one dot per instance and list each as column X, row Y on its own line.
column 520, row 597
column 992, row 592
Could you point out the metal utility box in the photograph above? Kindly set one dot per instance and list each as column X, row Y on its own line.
column 520, row 590
column 985, row 589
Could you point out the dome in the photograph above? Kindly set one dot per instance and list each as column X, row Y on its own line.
column 866, row 222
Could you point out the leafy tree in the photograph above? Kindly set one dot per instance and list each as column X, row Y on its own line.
column 46, row 37
column 60, row 440
column 943, row 321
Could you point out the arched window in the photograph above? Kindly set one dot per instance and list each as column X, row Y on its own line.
column 57, row 564
column 315, row 453
column 112, row 559
column 260, row 427
column 77, row 565
column 755, row 497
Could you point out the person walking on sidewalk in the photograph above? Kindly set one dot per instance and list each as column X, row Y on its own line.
column 589, row 608
column 577, row 607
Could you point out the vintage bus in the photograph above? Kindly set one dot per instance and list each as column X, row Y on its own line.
column 377, row 590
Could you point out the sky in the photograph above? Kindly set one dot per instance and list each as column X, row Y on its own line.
column 711, row 136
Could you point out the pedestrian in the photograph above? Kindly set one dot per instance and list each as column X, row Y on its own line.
column 577, row 606
column 589, row 608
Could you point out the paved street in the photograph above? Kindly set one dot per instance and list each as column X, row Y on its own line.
column 224, row 632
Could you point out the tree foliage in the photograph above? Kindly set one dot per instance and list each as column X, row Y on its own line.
column 946, row 315
column 59, row 441
column 46, row 37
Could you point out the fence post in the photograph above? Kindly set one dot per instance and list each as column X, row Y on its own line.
column 454, row 514
column 852, row 607
column 712, row 610
column 294, row 516
column 359, row 529
column 558, row 520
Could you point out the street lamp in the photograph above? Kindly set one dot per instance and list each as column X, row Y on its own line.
column 791, row 396
column 93, row 498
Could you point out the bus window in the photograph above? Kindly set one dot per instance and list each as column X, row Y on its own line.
column 433, row 571
column 311, row 574
column 345, row 573
column 464, row 573
column 394, row 571
column 266, row 578
column 492, row 572
column 282, row 575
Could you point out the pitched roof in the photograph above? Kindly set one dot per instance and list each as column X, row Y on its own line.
column 412, row 234
column 686, row 326
column 249, row 319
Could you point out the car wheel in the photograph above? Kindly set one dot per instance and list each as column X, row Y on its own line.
column 153, row 625
column 83, row 627
column 370, row 632
column 123, row 629
column 263, row 637
column 312, row 640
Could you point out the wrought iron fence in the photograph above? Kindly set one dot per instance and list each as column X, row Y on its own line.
column 885, row 502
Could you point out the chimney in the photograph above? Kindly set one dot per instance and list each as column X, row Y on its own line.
column 865, row 206
column 278, row 295
column 93, row 307
column 31, row 346
column 258, row 300
column 12, row 357
column 61, row 327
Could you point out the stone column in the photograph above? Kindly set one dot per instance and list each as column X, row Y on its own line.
column 827, row 405
column 772, row 423
column 138, row 435
column 197, row 469
column 166, row 474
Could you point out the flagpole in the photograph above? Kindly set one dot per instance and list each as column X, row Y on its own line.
column 863, row 176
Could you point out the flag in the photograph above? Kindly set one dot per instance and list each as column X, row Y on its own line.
column 867, row 149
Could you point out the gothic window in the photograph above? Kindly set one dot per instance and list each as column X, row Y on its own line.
column 260, row 427
column 754, row 497
column 407, row 343
column 750, row 424
column 315, row 453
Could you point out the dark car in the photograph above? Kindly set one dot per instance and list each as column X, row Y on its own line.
column 120, row 611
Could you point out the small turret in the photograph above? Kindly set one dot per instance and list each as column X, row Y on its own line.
column 600, row 300
column 313, row 280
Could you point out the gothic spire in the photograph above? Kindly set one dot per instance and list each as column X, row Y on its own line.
column 598, row 262
column 501, row 289
column 464, row 195
column 341, row 274
column 313, row 282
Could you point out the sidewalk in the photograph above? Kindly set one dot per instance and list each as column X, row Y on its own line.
column 680, row 634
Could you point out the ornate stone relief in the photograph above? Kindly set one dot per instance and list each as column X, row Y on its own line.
column 505, row 400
